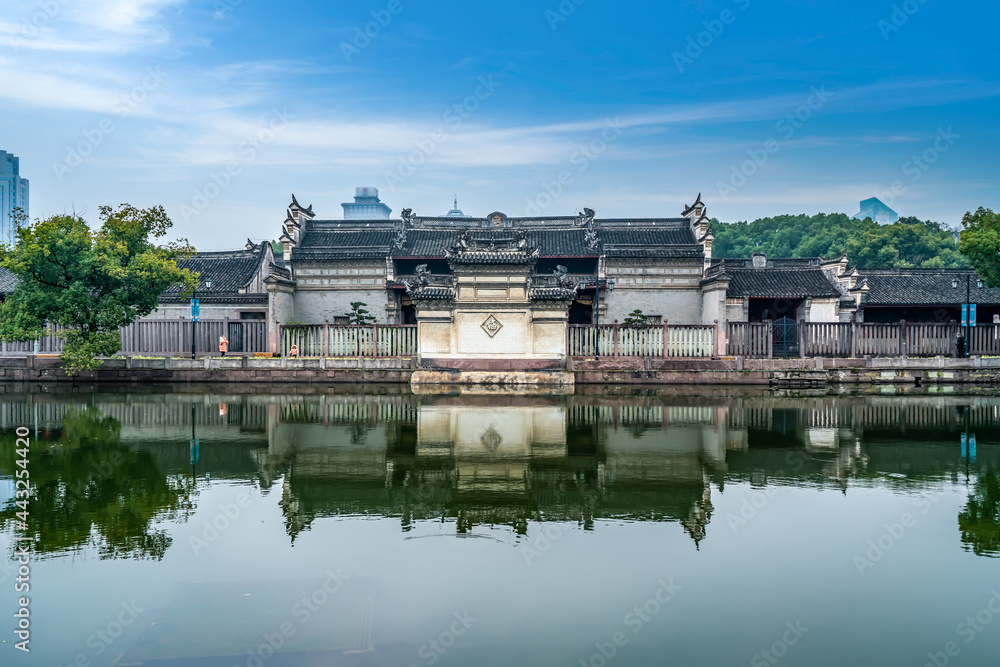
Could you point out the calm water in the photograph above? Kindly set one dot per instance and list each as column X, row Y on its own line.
column 383, row 528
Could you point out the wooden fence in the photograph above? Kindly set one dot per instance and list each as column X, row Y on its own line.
column 165, row 337
column 371, row 340
column 620, row 340
column 860, row 339
column 750, row 339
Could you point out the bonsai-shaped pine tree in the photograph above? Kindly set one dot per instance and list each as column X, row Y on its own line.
column 359, row 314
column 635, row 317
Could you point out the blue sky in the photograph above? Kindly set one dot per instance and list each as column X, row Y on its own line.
column 220, row 109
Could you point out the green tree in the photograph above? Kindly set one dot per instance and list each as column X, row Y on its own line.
column 89, row 283
column 908, row 242
column 979, row 520
column 980, row 242
column 359, row 314
column 635, row 317
column 89, row 490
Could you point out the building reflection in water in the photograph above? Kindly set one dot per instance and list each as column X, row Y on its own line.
column 505, row 460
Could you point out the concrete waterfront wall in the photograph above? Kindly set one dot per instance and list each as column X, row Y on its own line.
column 726, row 371
column 213, row 369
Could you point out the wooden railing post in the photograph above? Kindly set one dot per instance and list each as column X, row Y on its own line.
column 802, row 339
column 715, row 339
column 374, row 339
column 616, row 337
column 326, row 338
column 902, row 338
column 770, row 339
column 666, row 338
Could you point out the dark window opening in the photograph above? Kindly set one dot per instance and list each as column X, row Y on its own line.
column 581, row 313
column 762, row 310
column 579, row 265
column 408, row 267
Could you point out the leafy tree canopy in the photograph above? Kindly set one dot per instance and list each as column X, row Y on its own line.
column 980, row 243
column 908, row 242
column 89, row 283
column 979, row 520
column 88, row 490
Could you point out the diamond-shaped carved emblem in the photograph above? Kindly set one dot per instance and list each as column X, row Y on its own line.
column 491, row 326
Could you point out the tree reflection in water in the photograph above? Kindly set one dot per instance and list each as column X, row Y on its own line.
column 89, row 490
column 979, row 521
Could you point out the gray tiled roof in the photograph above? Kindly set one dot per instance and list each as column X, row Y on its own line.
column 229, row 271
column 7, row 281
column 915, row 287
column 790, row 279
column 372, row 240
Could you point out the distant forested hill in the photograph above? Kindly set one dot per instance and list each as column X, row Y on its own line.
column 907, row 243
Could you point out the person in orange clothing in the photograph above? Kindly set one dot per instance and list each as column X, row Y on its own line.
column 223, row 345
column 294, row 352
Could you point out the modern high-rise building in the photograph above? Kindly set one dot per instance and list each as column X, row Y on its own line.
column 366, row 206
column 13, row 194
column 874, row 208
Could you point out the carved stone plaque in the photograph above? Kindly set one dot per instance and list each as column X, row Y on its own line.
column 491, row 326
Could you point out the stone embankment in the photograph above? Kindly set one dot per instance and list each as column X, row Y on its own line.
column 578, row 371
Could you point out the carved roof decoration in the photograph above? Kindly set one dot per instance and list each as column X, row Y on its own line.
column 492, row 247
column 295, row 206
column 697, row 203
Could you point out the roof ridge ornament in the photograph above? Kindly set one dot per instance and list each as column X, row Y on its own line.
column 697, row 203
column 400, row 241
column 298, row 207
column 590, row 236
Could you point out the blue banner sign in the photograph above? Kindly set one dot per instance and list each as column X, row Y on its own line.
column 969, row 447
column 968, row 314
column 195, row 310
